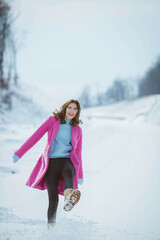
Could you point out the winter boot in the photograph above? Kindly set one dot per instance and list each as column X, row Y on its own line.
column 67, row 192
column 51, row 225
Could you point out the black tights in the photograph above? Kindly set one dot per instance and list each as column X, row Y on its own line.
column 58, row 167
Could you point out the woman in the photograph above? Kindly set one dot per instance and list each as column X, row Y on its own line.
column 59, row 168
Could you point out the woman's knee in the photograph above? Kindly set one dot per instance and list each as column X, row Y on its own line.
column 68, row 173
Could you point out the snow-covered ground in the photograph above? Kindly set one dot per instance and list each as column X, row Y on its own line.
column 120, row 195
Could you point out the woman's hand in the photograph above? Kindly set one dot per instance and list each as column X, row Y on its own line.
column 15, row 158
column 80, row 181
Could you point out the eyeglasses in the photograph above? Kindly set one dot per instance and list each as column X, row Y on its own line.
column 74, row 109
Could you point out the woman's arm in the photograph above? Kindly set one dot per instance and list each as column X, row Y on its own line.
column 36, row 136
column 79, row 154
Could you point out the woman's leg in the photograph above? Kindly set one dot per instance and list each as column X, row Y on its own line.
column 71, row 197
column 52, row 177
column 68, row 172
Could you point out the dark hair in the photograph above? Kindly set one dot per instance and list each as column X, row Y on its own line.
column 62, row 113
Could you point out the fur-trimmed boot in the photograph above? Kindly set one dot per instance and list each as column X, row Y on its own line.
column 51, row 225
column 71, row 198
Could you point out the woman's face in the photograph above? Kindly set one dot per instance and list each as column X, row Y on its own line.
column 71, row 111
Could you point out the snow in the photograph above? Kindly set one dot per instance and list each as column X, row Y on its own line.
column 120, row 194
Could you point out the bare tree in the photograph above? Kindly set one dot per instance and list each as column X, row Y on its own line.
column 85, row 97
column 117, row 92
column 150, row 84
column 8, row 49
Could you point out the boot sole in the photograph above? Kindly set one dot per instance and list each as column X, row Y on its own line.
column 75, row 194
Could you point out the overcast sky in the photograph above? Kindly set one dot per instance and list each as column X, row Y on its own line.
column 74, row 43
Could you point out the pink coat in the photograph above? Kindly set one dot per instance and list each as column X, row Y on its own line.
column 51, row 126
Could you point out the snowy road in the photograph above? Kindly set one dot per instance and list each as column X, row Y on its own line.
column 120, row 195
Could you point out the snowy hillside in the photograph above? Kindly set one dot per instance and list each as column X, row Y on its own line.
column 146, row 109
column 120, row 195
column 24, row 105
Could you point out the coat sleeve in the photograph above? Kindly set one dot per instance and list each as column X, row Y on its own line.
column 35, row 137
column 79, row 154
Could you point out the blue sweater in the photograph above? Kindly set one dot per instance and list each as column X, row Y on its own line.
column 61, row 145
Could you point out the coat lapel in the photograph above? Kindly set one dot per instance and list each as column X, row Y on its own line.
column 72, row 136
column 55, row 131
